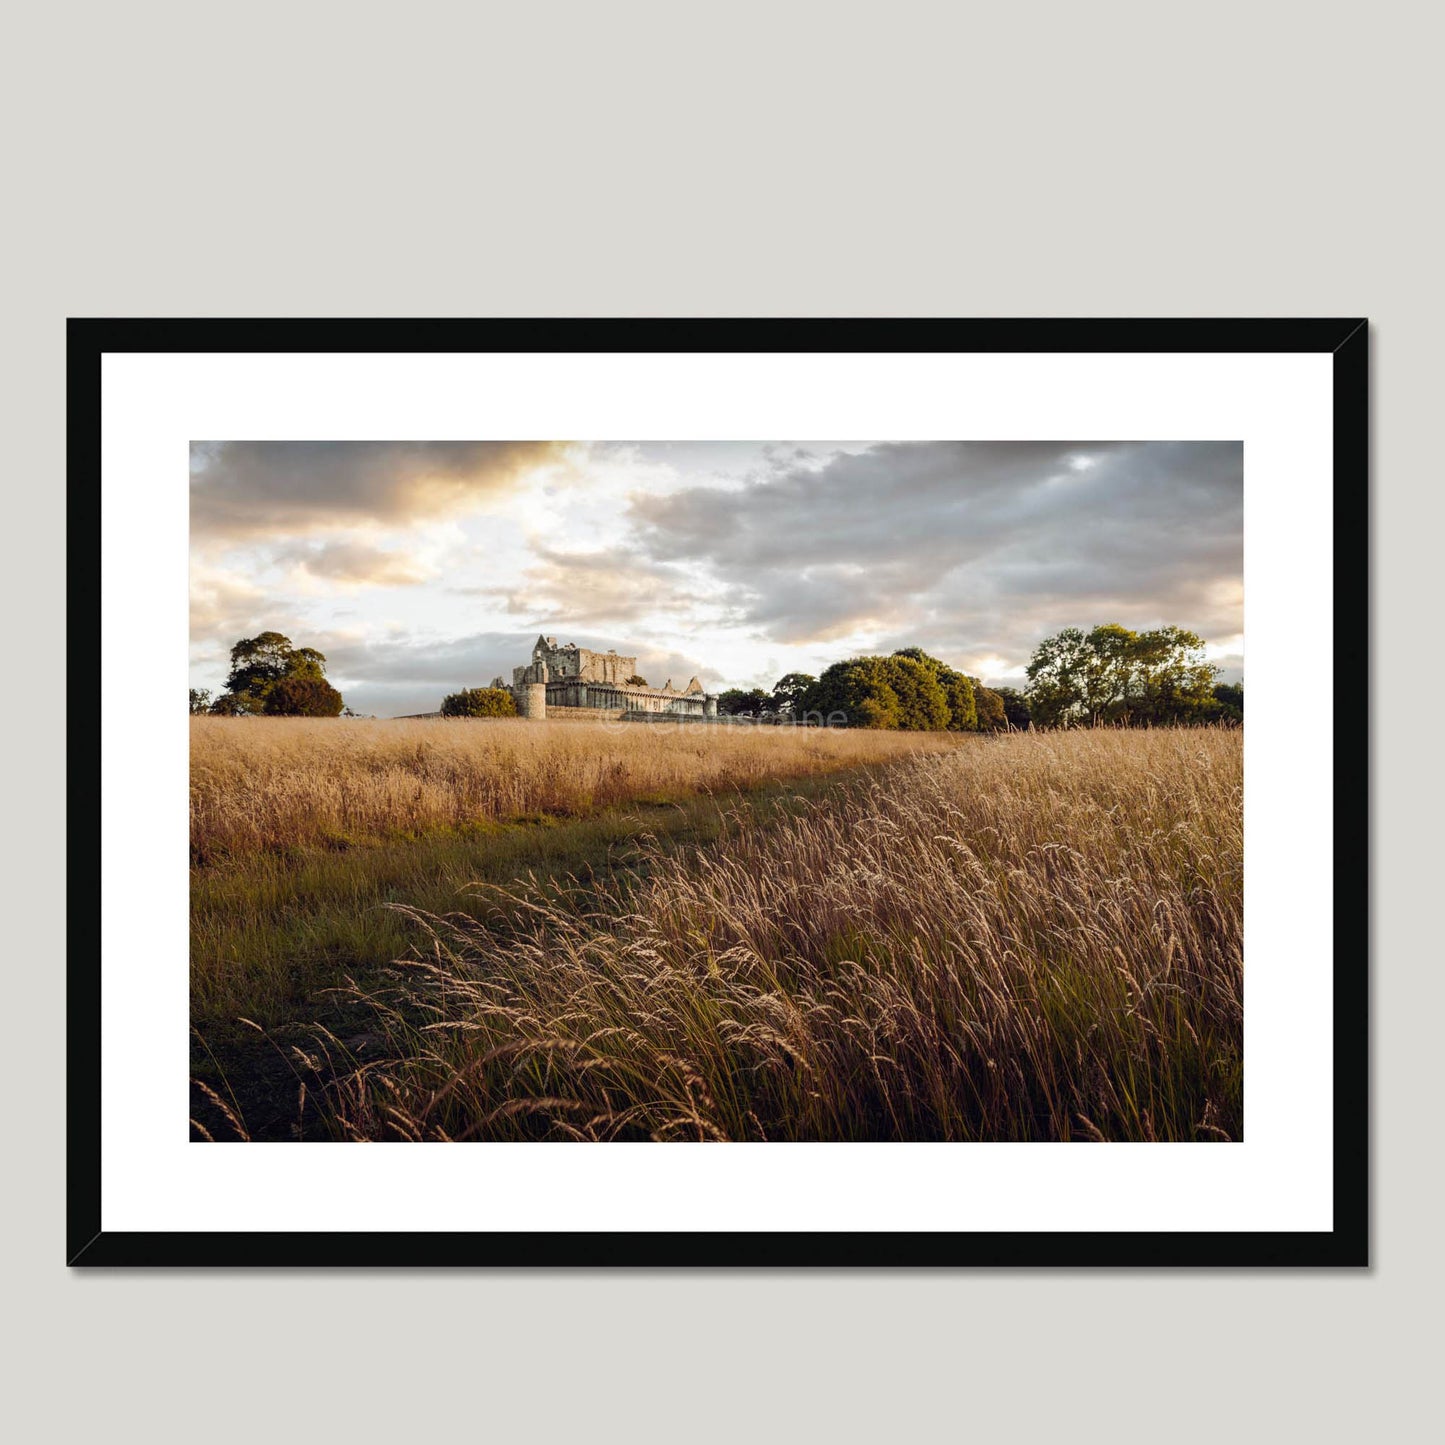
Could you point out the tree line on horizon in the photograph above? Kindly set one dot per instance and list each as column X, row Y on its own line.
column 1108, row 675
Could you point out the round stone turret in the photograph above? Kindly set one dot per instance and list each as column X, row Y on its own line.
column 530, row 692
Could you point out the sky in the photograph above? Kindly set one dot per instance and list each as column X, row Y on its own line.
column 420, row 568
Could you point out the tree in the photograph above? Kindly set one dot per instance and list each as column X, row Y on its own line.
column 958, row 689
column 739, row 702
column 479, row 702
column 200, row 700
column 257, row 664
column 858, row 691
column 306, row 662
column 879, row 692
column 1015, row 707
column 788, row 690
column 992, row 717
column 260, row 664
column 922, row 701
column 1056, row 676
column 1114, row 675
column 1229, row 700
column 637, row 680
column 1082, row 677
column 962, row 694
column 302, row 697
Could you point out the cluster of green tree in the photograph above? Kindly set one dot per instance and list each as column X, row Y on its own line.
column 1107, row 675
column 270, row 677
column 781, row 702
column 479, row 702
column 1114, row 675
column 744, row 702
column 1230, row 697
column 909, row 690
column 1016, row 710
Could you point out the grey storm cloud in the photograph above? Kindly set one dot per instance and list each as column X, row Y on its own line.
column 977, row 547
column 242, row 489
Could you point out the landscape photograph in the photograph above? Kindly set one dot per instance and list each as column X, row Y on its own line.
column 716, row 791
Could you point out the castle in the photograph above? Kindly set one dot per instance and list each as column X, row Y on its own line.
column 576, row 677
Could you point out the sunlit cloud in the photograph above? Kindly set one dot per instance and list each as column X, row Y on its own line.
column 247, row 489
column 351, row 564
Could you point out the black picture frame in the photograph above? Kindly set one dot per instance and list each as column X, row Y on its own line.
column 1346, row 1244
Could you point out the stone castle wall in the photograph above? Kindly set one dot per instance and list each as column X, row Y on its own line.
column 581, row 664
column 674, row 717
column 577, row 678
column 562, row 692
column 583, row 714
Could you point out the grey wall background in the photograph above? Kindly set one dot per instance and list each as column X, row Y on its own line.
column 813, row 159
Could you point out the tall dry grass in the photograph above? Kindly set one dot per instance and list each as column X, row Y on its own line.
column 266, row 783
column 1033, row 938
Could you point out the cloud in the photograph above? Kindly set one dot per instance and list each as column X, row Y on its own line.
column 417, row 659
column 613, row 586
column 352, row 564
column 271, row 488
column 974, row 548
column 221, row 601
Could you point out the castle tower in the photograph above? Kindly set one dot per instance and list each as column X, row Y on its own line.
column 530, row 692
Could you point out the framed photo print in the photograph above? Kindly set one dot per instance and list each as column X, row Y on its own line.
column 717, row 792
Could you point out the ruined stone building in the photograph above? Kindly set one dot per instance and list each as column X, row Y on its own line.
column 576, row 677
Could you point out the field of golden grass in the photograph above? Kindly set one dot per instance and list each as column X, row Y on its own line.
column 1035, row 937
column 277, row 783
